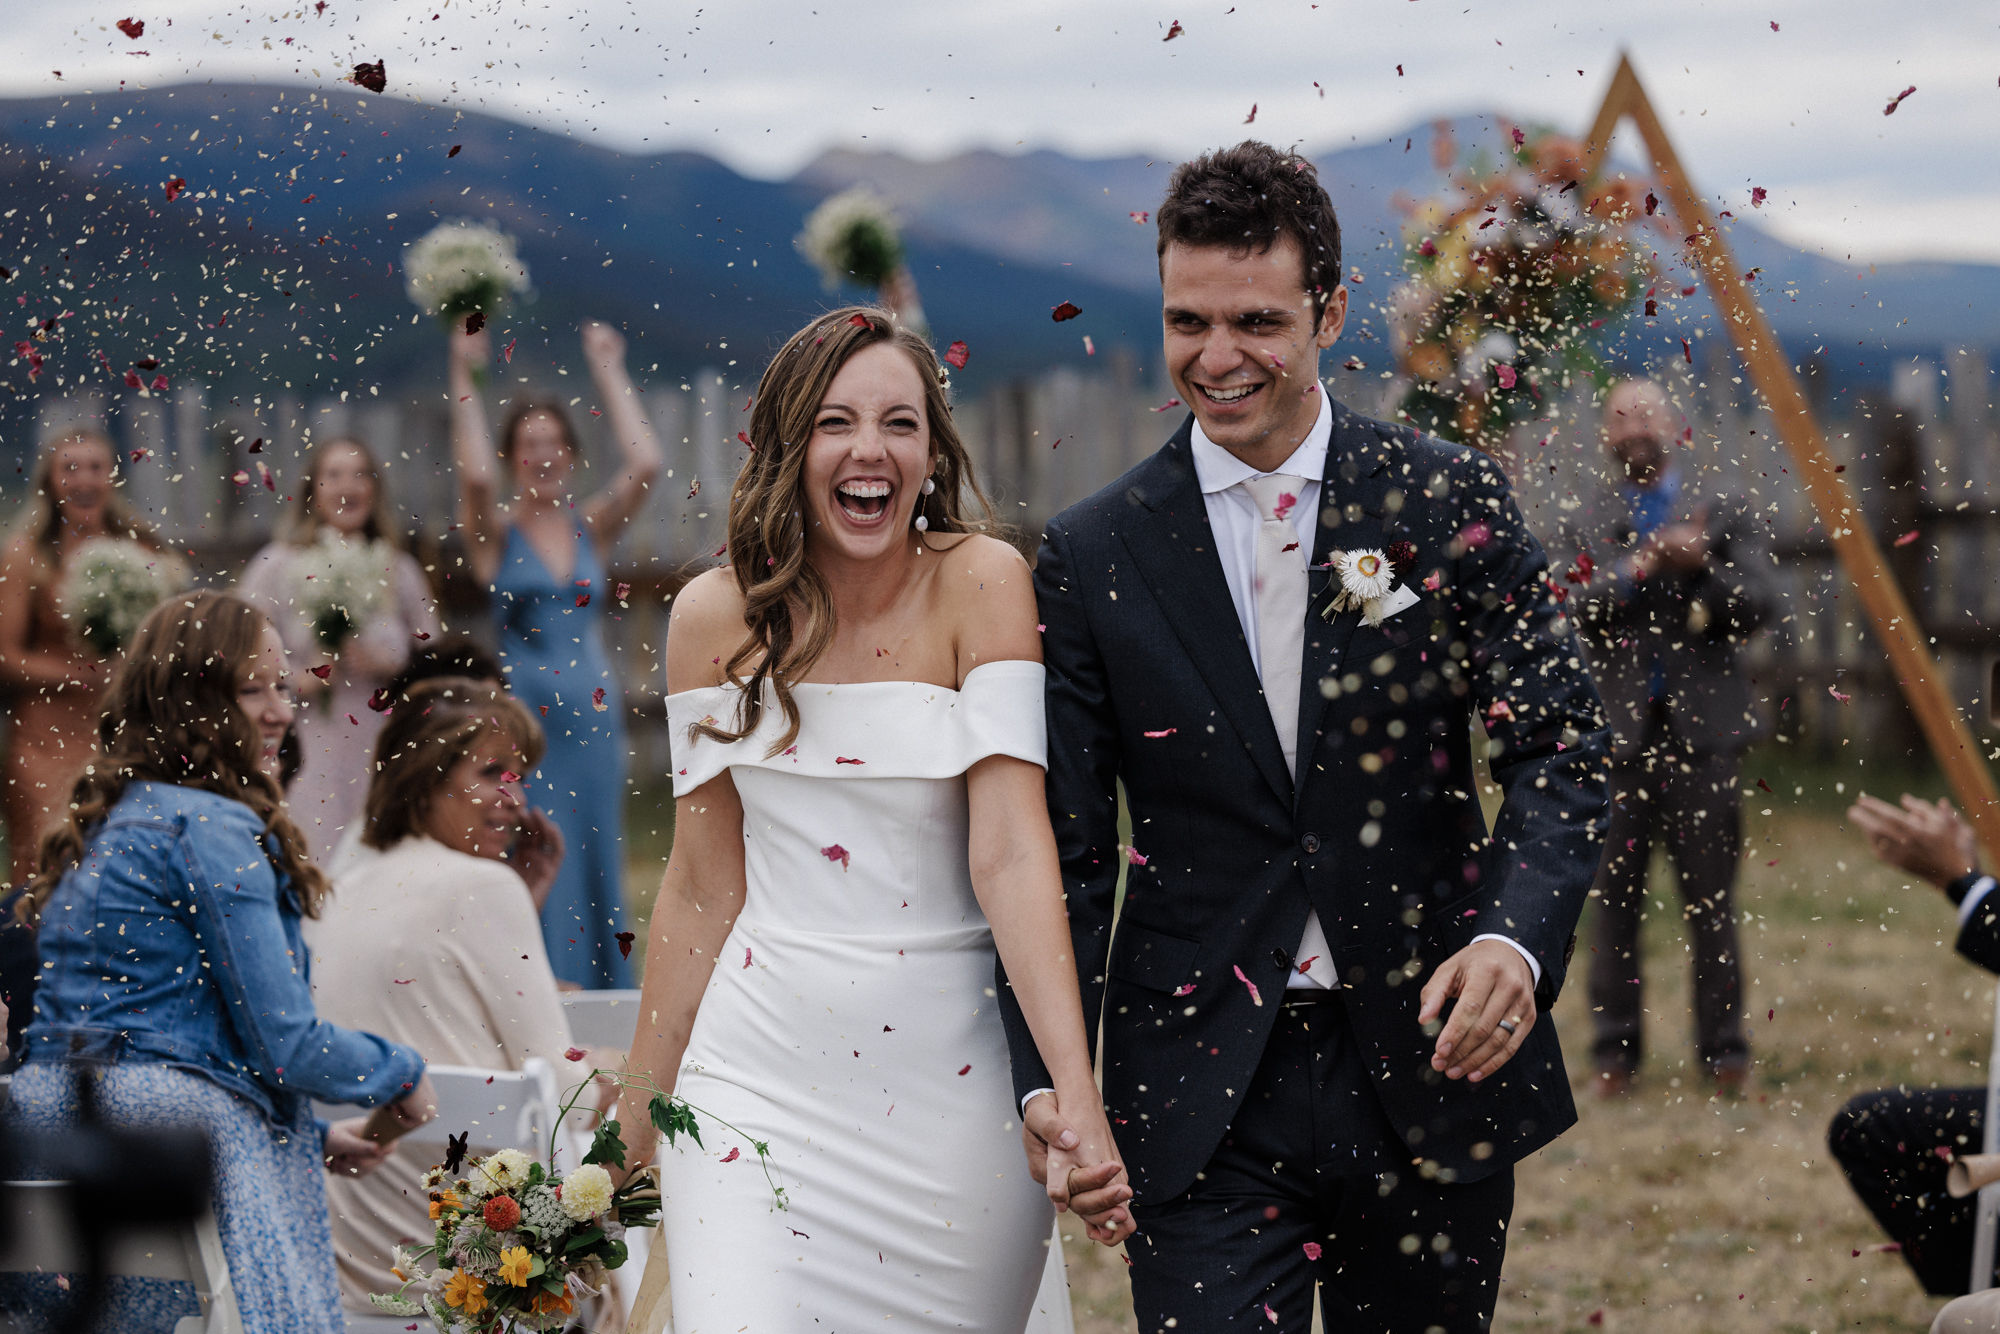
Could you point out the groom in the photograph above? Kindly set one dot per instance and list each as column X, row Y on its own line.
column 1277, row 633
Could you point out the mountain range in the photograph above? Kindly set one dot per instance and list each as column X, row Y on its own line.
column 251, row 237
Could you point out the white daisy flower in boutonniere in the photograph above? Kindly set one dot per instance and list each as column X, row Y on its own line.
column 1368, row 582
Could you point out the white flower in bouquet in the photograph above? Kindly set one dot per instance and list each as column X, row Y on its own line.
column 501, row 1172
column 586, row 1192
column 110, row 585
column 460, row 267
column 340, row 586
column 852, row 237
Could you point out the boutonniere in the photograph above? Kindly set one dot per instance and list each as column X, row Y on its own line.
column 1370, row 582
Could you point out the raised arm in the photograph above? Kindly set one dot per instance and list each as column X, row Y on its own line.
column 640, row 457
column 704, row 886
column 473, row 458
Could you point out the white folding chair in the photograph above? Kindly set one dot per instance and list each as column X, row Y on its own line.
column 494, row 1109
column 602, row 1018
column 40, row 1240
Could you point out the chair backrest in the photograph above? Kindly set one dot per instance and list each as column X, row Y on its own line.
column 40, row 1238
column 497, row 1109
column 602, row 1018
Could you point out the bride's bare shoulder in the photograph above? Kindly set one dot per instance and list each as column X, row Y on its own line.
column 991, row 593
column 704, row 628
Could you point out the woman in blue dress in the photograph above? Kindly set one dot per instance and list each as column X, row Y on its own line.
column 174, row 971
column 542, row 553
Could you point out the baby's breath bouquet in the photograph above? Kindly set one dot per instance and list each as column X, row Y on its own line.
column 110, row 585
column 461, row 268
column 340, row 586
column 518, row 1245
column 852, row 238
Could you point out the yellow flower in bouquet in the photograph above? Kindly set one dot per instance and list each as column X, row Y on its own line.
column 466, row 1291
column 515, row 1266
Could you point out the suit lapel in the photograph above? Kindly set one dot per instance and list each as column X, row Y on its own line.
column 1174, row 547
column 1352, row 516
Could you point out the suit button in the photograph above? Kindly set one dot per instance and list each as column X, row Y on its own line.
column 1310, row 843
column 1282, row 958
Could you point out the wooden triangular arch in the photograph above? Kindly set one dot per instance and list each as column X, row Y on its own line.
column 1951, row 741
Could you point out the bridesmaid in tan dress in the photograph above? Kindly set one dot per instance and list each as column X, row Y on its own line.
column 51, row 680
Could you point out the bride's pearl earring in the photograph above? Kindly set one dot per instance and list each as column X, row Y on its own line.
column 923, row 524
column 930, row 485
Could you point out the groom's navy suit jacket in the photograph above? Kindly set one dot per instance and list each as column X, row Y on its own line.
column 1151, row 683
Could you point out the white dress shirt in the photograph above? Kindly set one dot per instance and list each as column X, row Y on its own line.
column 1234, row 517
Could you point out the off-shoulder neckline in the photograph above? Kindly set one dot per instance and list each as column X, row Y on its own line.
column 855, row 685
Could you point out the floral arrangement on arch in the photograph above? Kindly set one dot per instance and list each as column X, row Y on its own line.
column 1513, row 276
column 518, row 1245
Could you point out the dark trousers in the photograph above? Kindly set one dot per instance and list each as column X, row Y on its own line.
column 1312, row 1188
column 1887, row 1143
column 1689, row 803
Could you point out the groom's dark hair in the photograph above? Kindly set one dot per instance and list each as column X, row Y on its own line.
column 1245, row 198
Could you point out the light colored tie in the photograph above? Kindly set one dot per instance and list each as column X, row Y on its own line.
column 1281, row 650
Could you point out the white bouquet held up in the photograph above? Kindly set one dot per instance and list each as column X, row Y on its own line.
column 340, row 586
column 111, row 583
column 852, row 238
column 460, row 269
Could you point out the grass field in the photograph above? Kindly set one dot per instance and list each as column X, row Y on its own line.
column 1670, row 1210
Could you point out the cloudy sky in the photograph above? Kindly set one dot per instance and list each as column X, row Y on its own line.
column 1784, row 94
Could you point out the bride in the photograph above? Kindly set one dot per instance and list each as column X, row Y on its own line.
column 856, row 705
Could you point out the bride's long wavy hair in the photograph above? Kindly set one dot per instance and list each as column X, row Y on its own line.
column 170, row 715
column 787, row 604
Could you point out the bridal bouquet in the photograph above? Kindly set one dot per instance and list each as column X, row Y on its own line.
column 852, row 238
column 110, row 585
column 340, row 586
column 519, row 1244
column 461, row 268
column 1514, row 277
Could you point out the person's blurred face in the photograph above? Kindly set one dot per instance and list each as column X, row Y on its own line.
column 1636, row 429
column 542, row 458
column 1241, row 346
column 477, row 809
column 868, row 456
column 80, row 476
column 266, row 698
column 343, row 490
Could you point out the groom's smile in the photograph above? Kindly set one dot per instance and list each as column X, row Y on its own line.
column 1241, row 347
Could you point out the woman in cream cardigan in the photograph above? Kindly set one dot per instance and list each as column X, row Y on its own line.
column 431, row 932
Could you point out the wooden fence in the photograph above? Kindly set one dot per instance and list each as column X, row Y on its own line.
column 1923, row 456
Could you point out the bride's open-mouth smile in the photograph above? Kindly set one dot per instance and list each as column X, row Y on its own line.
column 864, row 501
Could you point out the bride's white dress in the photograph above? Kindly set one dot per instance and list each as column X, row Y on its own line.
column 851, row 1023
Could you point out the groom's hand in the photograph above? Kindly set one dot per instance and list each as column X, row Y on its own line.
column 1495, row 991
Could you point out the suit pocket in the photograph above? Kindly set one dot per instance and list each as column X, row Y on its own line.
column 1152, row 959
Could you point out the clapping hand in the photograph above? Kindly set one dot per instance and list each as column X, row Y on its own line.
column 1928, row 839
column 538, row 854
column 351, row 1151
column 1082, row 1172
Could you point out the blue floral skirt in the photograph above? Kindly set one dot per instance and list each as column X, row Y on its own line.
column 269, row 1200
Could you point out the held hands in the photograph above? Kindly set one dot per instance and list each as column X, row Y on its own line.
column 1495, row 989
column 1929, row 840
column 1079, row 1165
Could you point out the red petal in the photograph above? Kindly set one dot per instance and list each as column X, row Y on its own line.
column 322, row 671
column 958, row 354
column 833, row 852
column 965, row 1069
column 1068, row 310
column 174, row 188
column 574, row 1054
column 133, row 28
column 372, row 77
column 1174, row 30
column 732, row 1155
column 624, row 939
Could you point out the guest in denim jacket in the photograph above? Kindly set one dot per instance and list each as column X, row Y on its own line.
column 174, row 971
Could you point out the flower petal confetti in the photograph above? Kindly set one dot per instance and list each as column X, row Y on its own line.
column 1173, row 31
column 372, row 77
column 133, row 28
column 958, row 354
column 1068, row 310
column 1255, row 997
column 1897, row 100
column 597, row 699
column 833, row 852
